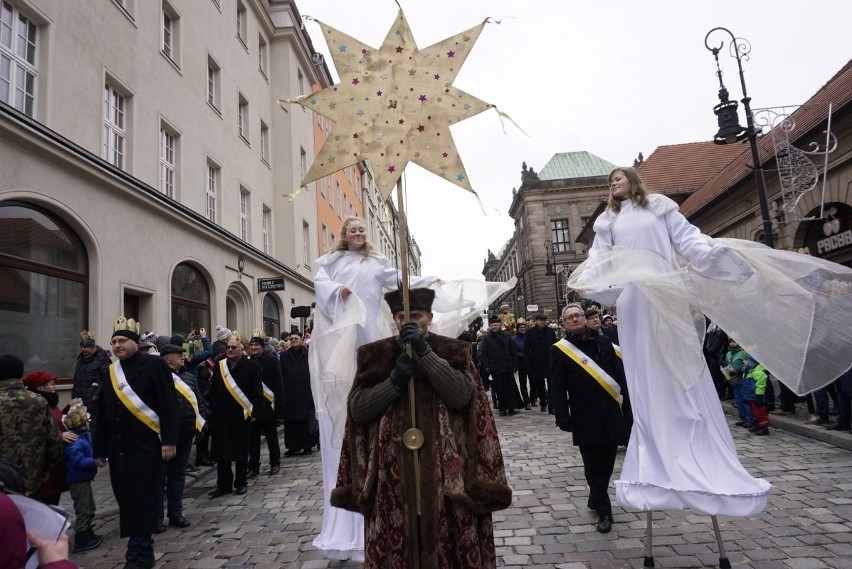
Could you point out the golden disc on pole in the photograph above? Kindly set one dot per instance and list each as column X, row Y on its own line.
column 413, row 438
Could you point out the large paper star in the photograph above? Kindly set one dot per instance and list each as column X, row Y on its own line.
column 394, row 105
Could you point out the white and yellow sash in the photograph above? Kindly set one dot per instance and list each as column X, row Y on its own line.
column 267, row 393
column 234, row 389
column 185, row 390
column 617, row 350
column 130, row 399
column 592, row 368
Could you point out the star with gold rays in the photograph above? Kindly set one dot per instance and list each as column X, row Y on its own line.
column 394, row 105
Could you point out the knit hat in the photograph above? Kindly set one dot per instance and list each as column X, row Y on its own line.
column 127, row 334
column 77, row 417
column 418, row 299
column 222, row 333
column 607, row 316
column 11, row 367
column 87, row 343
column 36, row 378
column 256, row 340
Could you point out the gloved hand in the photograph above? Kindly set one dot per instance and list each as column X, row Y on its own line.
column 405, row 369
column 413, row 334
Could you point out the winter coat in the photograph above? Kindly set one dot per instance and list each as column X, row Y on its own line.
column 298, row 398
column 28, row 434
column 496, row 353
column 186, row 413
column 230, row 429
column 79, row 460
column 55, row 483
column 88, row 375
column 518, row 343
column 580, row 404
column 537, row 343
column 271, row 378
column 134, row 450
column 754, row 382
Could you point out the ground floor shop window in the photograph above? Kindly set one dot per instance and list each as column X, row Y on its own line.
column 190, row 300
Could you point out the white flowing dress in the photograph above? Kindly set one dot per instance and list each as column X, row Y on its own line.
column 681, row 454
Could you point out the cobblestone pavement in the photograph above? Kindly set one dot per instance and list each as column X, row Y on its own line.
column 807, row 524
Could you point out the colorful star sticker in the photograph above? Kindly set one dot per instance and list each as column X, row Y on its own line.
column 421, row 79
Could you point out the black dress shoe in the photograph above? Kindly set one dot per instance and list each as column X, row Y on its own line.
column 179, row 522
column 240, row 490
column 216, row 492
column 290, row 452
column 604, row 524
column 274, row 470
column 160, row 527
column 252, row 473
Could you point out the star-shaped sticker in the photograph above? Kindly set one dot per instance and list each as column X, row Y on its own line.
column 421, row 79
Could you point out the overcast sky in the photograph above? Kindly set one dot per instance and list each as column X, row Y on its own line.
column 613, row 77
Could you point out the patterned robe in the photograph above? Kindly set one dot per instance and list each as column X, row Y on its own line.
column 462, row 475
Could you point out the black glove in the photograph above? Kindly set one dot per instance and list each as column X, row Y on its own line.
column 403, row 371
column 413, row 334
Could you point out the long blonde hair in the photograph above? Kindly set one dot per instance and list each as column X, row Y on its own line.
column 638, row 194
column 343, row 244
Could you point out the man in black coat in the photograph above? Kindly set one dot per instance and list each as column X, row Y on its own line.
column 589, row 397
column 236, row 391
column 537, row 343
column 300, row 424
column 138, row 429
column 92, row 365
column 497, row 355
column 265, row 418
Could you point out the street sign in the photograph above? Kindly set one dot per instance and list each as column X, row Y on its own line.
column 274, row 283
column 532, row 307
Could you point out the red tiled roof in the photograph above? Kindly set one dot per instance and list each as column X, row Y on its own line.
column 683, row 168
column 837, row 91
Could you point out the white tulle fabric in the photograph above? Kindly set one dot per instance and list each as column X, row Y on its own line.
column 340, row 327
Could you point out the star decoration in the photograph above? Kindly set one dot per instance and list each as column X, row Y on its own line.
column 422, row 82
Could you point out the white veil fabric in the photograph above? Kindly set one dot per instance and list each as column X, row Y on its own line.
column 790, row 311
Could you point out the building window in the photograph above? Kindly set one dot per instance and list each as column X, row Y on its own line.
column 242, row 23
column 168, row 161
column 265, row 224
column 190, row 300
column 303, row 162
column 271, row 316
column 262, row 54
column 115, row 130
column 171, row 32
column 244, row 221
column 264, row 142
column 213, row 83
column 44, row 288
column 243, row 117
column 306, row 244
column 213, row 176
column 18, row 40
column 559, row 236
column 339, row 196
column 324, row 238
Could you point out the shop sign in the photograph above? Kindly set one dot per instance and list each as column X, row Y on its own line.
column 831, row 235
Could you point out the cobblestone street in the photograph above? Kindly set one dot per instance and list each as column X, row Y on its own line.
column 807, row 525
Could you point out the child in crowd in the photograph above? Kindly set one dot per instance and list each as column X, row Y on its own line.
column 754, row 373
column 733, row 371
column 80, row 470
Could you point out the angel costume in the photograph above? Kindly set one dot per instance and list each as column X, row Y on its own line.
column 343, row 325
column 788, row 310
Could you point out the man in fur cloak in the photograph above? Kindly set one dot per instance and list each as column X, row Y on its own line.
column 461, row 474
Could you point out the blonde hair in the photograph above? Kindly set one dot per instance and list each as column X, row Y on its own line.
column 343, row 244
column 637, row 193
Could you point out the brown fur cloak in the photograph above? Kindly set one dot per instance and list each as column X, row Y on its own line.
column 462, row 475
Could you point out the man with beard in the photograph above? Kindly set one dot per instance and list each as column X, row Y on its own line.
column 268, row 411
column 300, row 424
column 589, row 396
column 497, row 353
column 456, row 476
column 138, row 429
column 537, row 342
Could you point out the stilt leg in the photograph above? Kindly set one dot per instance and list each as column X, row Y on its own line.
column 649, row 543
column 723, row 557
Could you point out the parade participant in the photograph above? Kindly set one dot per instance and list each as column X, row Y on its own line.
column 349, row 286
column 461, row 475
column 497, row 356
column 682, row 459
column 537, row 342
column 528, row 394
column 137, row 430
column 266, row 414
column 589, row 394
column 235, row 390
column 300, row 426
column 90, row 369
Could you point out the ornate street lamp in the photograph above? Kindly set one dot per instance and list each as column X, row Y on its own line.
column 730, row 130
column 551, row 270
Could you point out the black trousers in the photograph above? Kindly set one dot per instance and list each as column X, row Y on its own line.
column 523, row 379
column 226, row 480
column 598, row 463
column 539, row 383
column 269, row 429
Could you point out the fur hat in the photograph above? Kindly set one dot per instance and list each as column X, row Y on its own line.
column 11, row 367
column 36, row 378
column 171, row 349
column 418, row 299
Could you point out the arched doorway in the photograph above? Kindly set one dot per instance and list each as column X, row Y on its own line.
column 190, row 300
column 271, row 315
column 238, row 309
column 44, row 288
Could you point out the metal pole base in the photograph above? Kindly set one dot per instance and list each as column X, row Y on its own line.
column 649, row 543
column 723, row 557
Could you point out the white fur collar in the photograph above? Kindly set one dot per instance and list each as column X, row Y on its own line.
column 658, row 204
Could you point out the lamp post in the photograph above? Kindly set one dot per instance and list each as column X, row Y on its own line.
column 730, row 130
column 551, row 270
